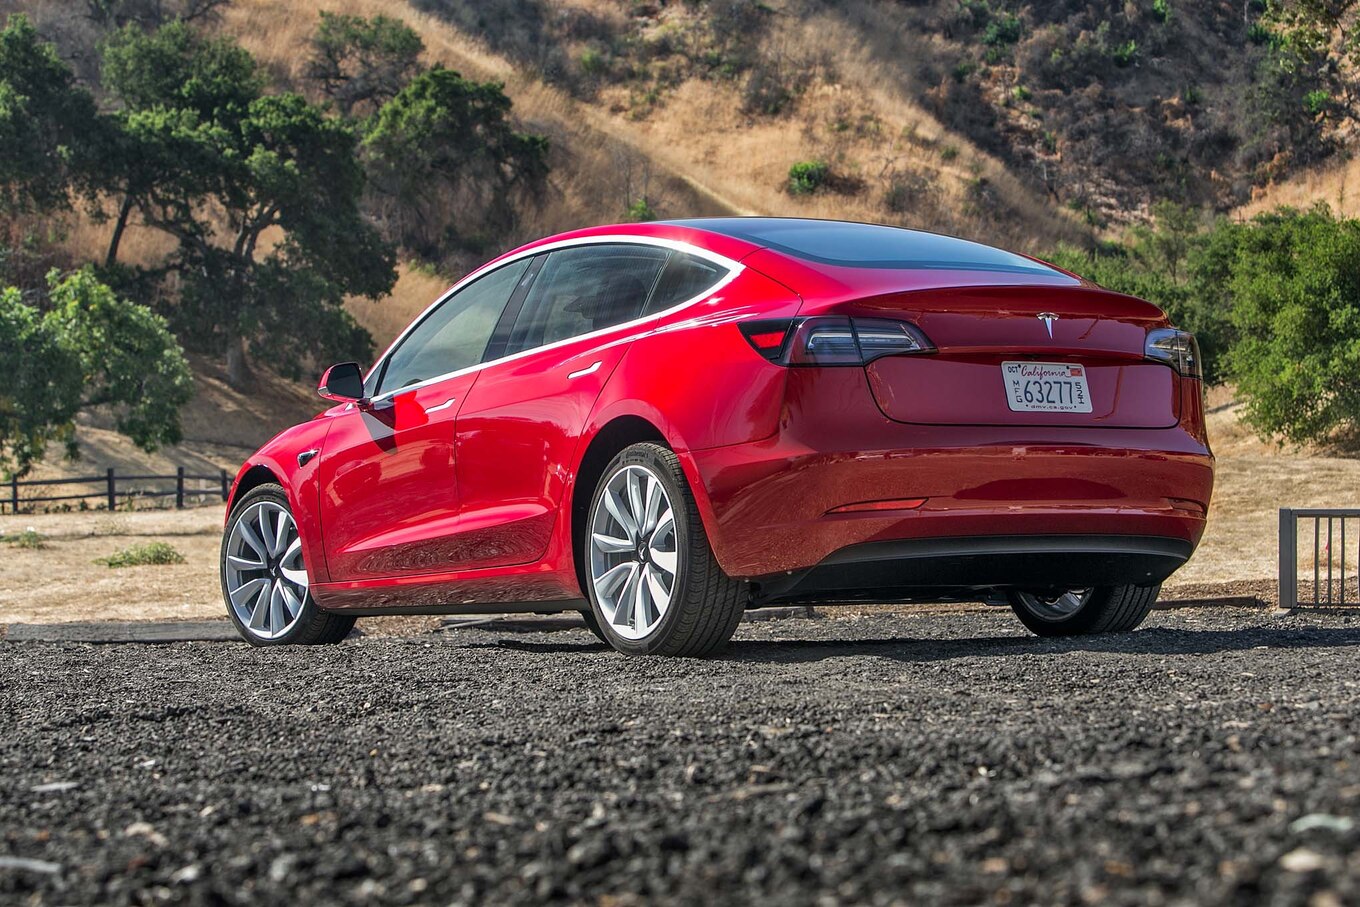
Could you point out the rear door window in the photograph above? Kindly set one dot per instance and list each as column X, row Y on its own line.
column 584, row 289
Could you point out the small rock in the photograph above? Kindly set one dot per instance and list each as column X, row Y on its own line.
column 1339, row 824
column 1301, row 860
column 54, row 787
column 30, row 865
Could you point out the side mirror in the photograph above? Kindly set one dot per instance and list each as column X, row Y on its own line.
column 343, row 383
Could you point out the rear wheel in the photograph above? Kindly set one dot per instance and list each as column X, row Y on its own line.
column 264, row 580
column 1075, row 612
column 655, row 587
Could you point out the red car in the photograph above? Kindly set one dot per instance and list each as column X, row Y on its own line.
column 661, row 425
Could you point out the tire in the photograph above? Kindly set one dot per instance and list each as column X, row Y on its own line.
column 1080, row 612
column 261, row 530
column 625, row 568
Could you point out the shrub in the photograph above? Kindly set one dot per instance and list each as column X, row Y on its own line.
column 1003, row 30
column 806, row 177
column 905, row 192
column 152, row 553
column 592, row 62
column 30, row 538
column 1295, row 288
column 641, row 210
column 1317, row 102
column 949, row 153
column 1161, row 10
column 1124, row 54
column 1021, row 93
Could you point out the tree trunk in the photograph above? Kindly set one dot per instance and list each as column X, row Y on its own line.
column 124, row 211
column 239, row 374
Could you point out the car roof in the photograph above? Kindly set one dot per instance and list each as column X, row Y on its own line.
column 859, row 245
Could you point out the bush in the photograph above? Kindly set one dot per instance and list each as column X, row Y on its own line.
column 30, row 538
column 1295, row 287
column 1161, row 10
column 641, row 211
column 1003, row 30
column 1124, row 54
column 806, row 177
column 152, row 553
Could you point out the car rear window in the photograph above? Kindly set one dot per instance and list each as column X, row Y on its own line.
column 870, row 245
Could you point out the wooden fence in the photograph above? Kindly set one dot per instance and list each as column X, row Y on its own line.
column 107, row 488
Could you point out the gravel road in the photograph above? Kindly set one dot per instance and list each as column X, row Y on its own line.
column 896, row 757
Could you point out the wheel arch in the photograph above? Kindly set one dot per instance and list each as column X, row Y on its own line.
column 252, row 477
column 620, row 432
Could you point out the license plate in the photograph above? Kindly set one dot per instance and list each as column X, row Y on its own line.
column 1046, row 387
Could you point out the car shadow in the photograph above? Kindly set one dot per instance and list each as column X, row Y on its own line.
column 1150, row 641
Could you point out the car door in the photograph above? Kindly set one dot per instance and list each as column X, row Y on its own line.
column 389, row 481
column 519, row 427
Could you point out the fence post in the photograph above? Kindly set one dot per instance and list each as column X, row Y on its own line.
column 113, row 495
column 226, row 487
column 1289, row 559
column 179, row 488
column 14, row 494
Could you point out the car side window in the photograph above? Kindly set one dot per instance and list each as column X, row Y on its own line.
column 684, row 277
column 584, row 289
column 455, row 334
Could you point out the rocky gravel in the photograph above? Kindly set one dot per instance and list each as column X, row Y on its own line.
column 908, row 757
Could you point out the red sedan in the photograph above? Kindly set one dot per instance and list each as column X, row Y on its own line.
column 661, row 425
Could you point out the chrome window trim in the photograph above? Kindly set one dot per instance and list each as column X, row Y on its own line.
column 734, row 269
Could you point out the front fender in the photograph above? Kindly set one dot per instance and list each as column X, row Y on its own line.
column 301, row 483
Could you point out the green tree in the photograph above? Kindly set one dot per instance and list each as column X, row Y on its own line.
column 360, row 63
column 1295, row 285
column 176, row 89
column 448, row 165
column 46, row 122
column 222, row 165
column 90, row 349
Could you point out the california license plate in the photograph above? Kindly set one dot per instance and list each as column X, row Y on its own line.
column 1046, row 387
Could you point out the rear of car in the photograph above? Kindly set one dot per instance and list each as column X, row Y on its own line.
column 956, row 419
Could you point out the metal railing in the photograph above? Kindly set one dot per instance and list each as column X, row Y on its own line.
column 1329, row 558
column 107, row 488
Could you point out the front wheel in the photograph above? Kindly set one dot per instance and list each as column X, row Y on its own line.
column 264, row 580
column 1076, row 612
column 655, row 587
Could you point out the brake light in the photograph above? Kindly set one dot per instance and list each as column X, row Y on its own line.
column 1177, row 349
column 833, row 340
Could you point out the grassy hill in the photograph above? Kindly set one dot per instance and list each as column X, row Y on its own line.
column 1022, row 124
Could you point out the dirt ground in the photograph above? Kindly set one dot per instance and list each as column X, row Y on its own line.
column 62, row 582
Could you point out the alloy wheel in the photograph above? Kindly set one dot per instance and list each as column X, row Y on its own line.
column 266, row 578
column 1055, row 606
column 634, row 551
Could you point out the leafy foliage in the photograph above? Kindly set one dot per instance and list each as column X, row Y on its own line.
column 46, row 122
column 89, row 349
column 151, row 553
column 448, row 165
column 362, row 63
column 1295, row 287
column 806, row 177
column 221, row 164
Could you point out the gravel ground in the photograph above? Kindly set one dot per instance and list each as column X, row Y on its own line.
column 894, row 757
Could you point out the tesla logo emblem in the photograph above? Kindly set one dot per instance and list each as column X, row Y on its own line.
column 1047, row 318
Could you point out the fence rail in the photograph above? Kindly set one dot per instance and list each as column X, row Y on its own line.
column 1329, row 556
column 220, row 485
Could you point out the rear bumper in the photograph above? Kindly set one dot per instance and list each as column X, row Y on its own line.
column 767, row 505
column 912, row 568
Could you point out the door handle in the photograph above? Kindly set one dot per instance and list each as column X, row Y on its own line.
column 589, row 370
column 445, row 405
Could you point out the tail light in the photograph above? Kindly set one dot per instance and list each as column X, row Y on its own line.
column 1177, row 349
column 826, row 341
